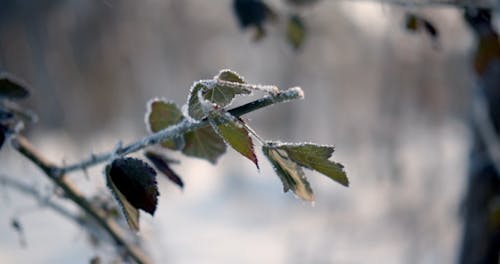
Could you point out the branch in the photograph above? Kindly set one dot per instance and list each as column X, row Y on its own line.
column 22, row 145
column 56, row 174
column 181, row 128
column 33, row 192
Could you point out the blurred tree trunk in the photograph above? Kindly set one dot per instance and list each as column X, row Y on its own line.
column 481, row 235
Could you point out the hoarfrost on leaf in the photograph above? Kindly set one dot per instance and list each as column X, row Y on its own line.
column 233, row 131
column 291, row 174
column 133, row 183
column 162, row 114
column 204, row 143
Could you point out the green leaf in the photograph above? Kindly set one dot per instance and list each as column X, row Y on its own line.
column 316, row 158
column 291, row 174
column 194, row 106
column 230, row 76
column 204, row 143
column 133, row 183
column 296, row 31
column 224, row 92
column 11, row 88
column 225, row 88
column 234, row 134
column 162, row 114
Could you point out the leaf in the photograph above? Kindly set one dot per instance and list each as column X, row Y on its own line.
column 431, row 29
column 234, row 134
column 194, row 106
column 316, row 157
column 230, row 76
column 162, row 114
column 11, row 88
column 296, row 31
column 291, row 174
column 133, row 183
column 254, row 13
column 412, row 22
column 204, row 143
column 226, row 88
column 161, row 163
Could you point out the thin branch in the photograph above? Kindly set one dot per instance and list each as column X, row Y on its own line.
column 33, row 192
column 181, row 128
column 22, row 145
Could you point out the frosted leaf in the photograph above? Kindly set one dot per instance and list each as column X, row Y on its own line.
column 204, row 143
column 234, row 134
column 194, row 106
column 291, row 174
column 229, row 76
column 133, row 183
column 316, row 157
column 162, row 114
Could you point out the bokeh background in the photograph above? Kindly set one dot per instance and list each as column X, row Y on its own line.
column 394, row 104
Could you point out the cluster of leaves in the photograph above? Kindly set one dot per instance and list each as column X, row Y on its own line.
column 417, row 23
column 255, row 14
column 133, row 181
column 10, row 91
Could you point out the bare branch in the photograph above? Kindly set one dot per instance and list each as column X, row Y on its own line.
column 44, row 201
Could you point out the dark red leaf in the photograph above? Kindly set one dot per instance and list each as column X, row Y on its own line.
column 161, row 163
column 136, row 180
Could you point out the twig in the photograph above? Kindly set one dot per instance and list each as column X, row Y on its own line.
column 33, row 192
column 22, row 145
column 181, row 128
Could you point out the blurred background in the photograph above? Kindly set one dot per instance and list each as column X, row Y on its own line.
column 394, row 104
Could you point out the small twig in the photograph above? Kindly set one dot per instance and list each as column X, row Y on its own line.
column 33, row 192
column 181, row 128
column 22, row 145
